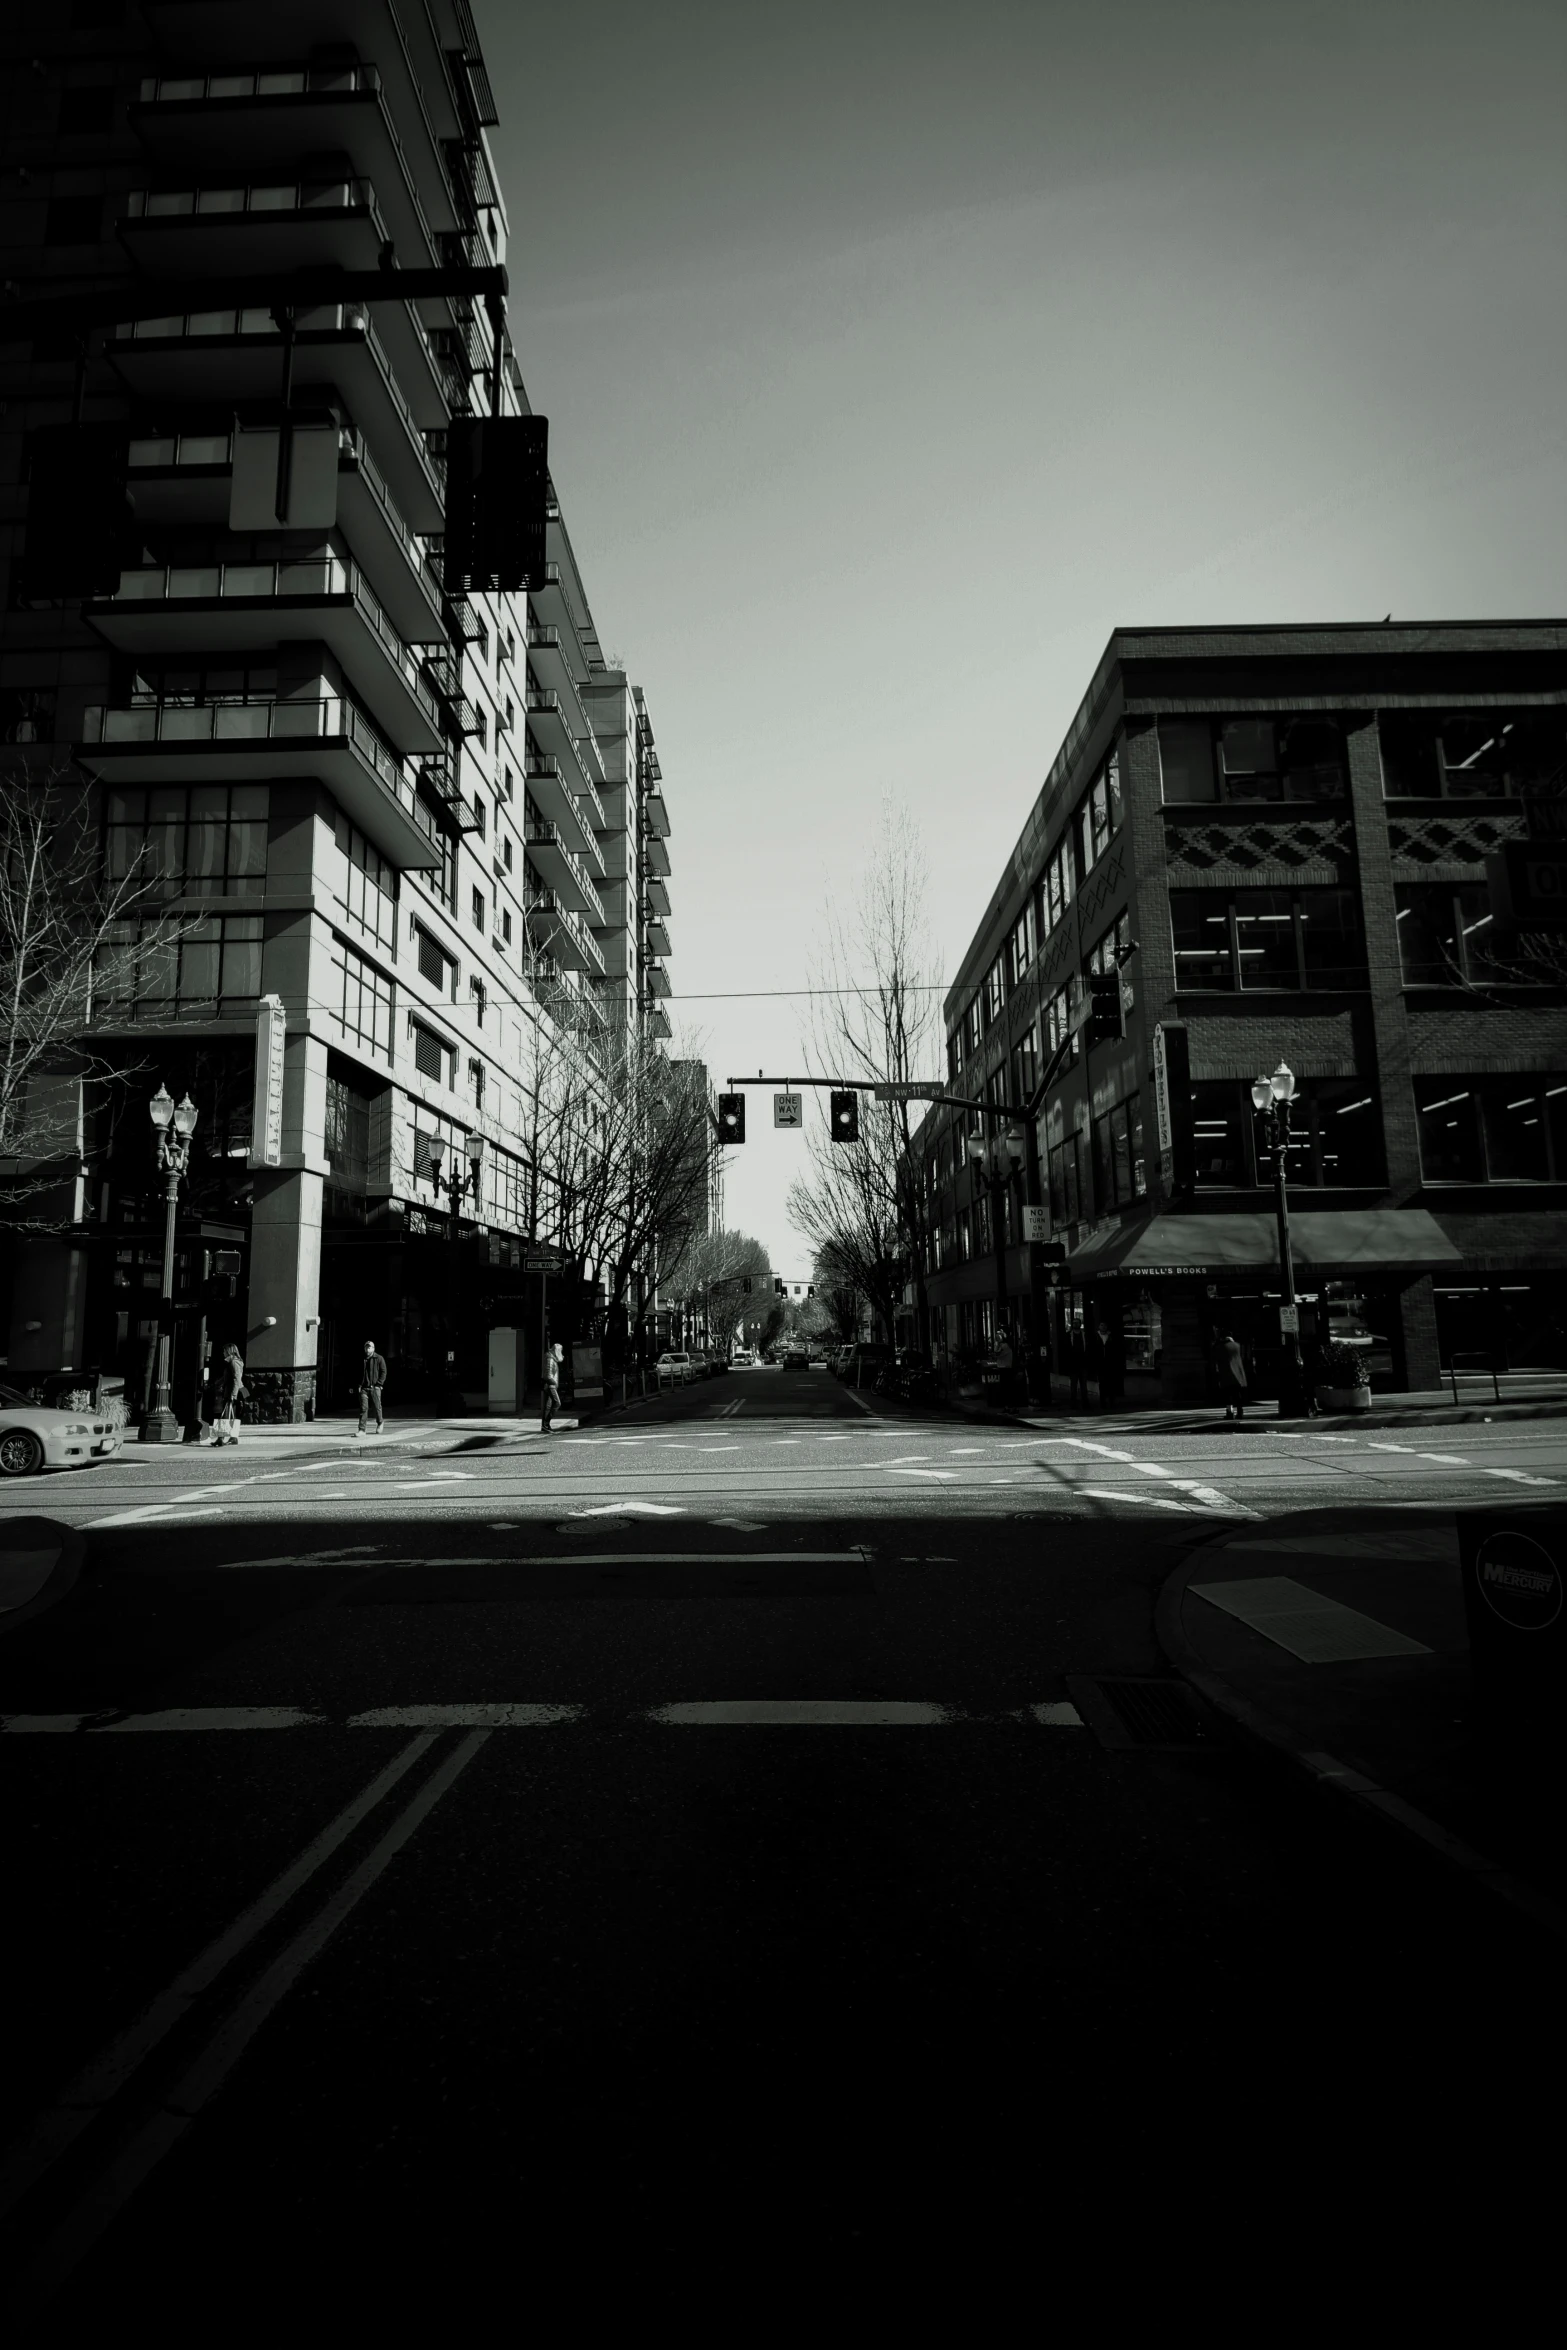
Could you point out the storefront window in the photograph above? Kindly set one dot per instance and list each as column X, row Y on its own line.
column 1470, row 754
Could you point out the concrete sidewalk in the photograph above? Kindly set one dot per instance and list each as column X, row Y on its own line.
column 1337, row 1639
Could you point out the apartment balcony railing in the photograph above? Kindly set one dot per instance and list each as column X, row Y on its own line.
column 561, row 871
column 217, row 742
column 655, row 896
column 655, row 858
column 553, row 926
column 220, row 605
column 242, row 118
column 656, row 814
column 656, row 979
column 236, row 354
column 656, row 939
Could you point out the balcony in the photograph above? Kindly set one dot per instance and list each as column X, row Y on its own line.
column 552, row 795
column 656, row 1021
column 439, row 779
column 246, row 742
column 252, row 121
column 243, row 607
column 561, row 872
column 655, row 896
column 656, row 979
column 231, row 230
column 655, row 859
column 234, row 356
column 560, row 933
column 656, row 939
column 552, row 611
column 655, row 814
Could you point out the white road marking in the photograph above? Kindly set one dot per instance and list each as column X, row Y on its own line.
column 904, row 1460
column 622, row 1509
column 802, row 1712
column 41, row 1725
column 214, row 1717
column 1152, row 1501
column 463, row 1717
column 741, row 1525
column 1061, row 1716
column 1446, row 1460
column 1519, row 1476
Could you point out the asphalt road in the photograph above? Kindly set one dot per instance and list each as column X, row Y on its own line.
column 670, row 1868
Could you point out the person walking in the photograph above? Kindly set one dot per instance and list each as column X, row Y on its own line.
column 229, row 1388
column 1232, row 1376
column 554, row 1356
column 1112, row 1363
column 1077, row 1365
column 372, row 1378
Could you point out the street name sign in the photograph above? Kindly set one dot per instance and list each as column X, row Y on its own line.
column 543, row 1260
column 788, row 1109
column 266, row 1130
column 901, row 1092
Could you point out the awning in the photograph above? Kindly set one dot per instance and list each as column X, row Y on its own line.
column 1328, row 1242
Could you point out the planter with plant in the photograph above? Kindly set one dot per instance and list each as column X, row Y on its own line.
column 1343, row 1380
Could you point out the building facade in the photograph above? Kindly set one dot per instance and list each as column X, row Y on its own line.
column 425, row 830
column 1267, row 845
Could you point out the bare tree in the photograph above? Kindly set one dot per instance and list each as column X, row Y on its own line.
column 73, row 941
column 877, row 1021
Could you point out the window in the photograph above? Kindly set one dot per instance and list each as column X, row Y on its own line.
column 1242, row 759
column 506, row 925
column 1492, row 1130
column 478, row 810
column 1025, row 1065
column 972, row 1030
column 1470, row 754
column 506, row 853
column 442, row 881
column 189, row 840
column 1099, row 817
column 506, row 1189
column 184, row 686
column 363, row 1000
column 364, row 884
column 1110, row 949
column 1444, row 933
column 995, row 994
column 476, row 991
column 476, row 1083
column 435, row 964
column 1058, row 1021
column 478, row 909
column 1020, row 946
column 346, row 1138
column 1055, row 889
column 1267, row 938
column 212, row 972
column 1066, row 1185
column 1220, row 1157
column 429, row 1051
column 1120, row 1170
column 1335, row 1135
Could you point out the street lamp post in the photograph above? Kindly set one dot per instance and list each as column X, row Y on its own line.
column 454, row 1186
column 996, row 1161
column 1271, row 1098
column 173, row 1126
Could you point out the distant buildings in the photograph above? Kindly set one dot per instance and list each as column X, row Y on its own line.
column 433, row 826
column 1271, row 843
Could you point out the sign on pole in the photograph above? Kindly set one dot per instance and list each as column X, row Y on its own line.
column 898, row 1091
column 266, row 1115
column 1036, row 1224
column 538, row 1258
column 1172, row 1103
column 788, row 1109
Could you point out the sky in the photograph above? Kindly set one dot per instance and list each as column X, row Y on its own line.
column 894, row 354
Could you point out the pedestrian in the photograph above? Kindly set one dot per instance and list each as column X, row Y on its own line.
column 554, row 1356
column 372, row 1378
column 1077, row 1365
column 1232, row 1376
column 230, row 1387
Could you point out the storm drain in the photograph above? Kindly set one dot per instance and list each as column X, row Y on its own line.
column 1140, row 1713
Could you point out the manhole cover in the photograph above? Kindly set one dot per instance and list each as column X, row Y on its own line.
column 1127, row 1713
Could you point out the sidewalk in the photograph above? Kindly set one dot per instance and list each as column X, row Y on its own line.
column 334, row 1432
column 1338, row 1641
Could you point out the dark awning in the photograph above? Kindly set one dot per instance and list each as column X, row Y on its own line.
column 1327, row 1241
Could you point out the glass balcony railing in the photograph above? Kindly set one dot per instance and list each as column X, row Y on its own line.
column 211, row 203
column 330, row 720
column 325, row 575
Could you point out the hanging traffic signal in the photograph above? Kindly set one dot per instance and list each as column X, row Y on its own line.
column 1104, row 1008
column 846, row 1117
column 497, row 489
column 780, row 1288
column 81, row 532
column 731, row 1117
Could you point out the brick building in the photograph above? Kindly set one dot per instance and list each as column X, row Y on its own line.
column 430, row 826
column 1273, row 844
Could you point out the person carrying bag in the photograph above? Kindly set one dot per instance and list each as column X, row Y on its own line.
column 231, row 1386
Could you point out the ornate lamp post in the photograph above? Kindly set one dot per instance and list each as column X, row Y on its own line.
column 996, row 1161
column 455, row 1186
column 1271, row 1098
column 173, row 1127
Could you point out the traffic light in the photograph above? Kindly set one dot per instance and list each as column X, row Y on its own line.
column 81, row 533
column 810, row 1289
column 780, row 1288
column 731, row 1117
column 497, row 488
column 846, row 1117
column 1104, row 1008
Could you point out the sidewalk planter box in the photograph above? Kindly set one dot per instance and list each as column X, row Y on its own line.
column 1343, row 1399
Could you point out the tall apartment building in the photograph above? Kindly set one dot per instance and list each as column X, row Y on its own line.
column 431, row 826
column 1276, row 841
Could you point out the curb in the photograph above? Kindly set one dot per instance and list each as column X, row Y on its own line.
column 1374, row 1801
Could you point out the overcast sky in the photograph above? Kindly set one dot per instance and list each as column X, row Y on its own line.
column 894, row 354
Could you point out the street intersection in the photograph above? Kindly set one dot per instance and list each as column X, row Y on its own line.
column 705, row 1832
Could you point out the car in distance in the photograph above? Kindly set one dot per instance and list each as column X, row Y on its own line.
column 37, row 1436
column 676, row 1368
column 795, row 1358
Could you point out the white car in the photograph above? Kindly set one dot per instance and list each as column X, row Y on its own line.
column 674, row 1367
column 36, row 1436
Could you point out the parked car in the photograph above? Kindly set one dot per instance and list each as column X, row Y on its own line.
column 677, row 1369
column 864, row 1363
column 36, row 1436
